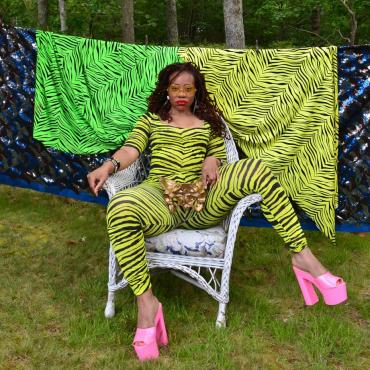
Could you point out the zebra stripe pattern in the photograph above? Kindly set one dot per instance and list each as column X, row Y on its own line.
column 176, row 153
column 140, row 212
column 90, row 93
column 281, row 106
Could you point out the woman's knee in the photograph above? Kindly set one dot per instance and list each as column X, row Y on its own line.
column 122, row 205
column 251, row 164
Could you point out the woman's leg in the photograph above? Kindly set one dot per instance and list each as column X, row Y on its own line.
column 133, row 214
column 249, row 176
column 245, row 177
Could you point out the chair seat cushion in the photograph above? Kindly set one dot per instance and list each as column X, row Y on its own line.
column 198, row 243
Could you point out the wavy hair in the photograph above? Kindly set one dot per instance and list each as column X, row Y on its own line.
column 203, row 106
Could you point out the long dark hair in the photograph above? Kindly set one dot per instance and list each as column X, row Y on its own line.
column 205, row 108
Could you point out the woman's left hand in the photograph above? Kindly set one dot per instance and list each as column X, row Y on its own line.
column 210, row 173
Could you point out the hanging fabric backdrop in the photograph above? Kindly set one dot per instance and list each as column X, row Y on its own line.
column 281, row 106
column 89, row 93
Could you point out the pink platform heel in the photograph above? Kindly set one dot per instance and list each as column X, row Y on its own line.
column 332, row 288
column 147, row 340
column 162, row 338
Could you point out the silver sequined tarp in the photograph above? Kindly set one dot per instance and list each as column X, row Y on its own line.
column 354, row 135
column 24, row 161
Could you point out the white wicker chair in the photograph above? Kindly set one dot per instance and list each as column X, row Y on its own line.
column 201, row 271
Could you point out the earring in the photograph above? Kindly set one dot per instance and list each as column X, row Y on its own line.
column 195, row 106
column 168, row 98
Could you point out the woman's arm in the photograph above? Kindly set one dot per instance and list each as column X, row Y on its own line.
column 134, row 145
column 210, row 173
column 216, row 153
column 125, row 157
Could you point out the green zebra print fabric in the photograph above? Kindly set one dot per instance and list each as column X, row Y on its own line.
column 90, row 93
column 281, row 106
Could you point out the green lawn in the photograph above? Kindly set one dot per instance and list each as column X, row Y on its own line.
column 53, row 275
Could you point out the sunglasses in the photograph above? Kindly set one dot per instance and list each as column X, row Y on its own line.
column 187, row 89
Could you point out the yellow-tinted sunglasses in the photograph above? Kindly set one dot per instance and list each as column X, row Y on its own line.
column 187, row 89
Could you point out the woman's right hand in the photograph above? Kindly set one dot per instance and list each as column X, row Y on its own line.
column 98, row 177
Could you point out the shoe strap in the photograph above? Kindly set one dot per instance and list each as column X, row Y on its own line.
column 329, row 280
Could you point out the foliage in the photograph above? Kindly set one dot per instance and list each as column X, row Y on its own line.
column 274, row 21
column 271, row 22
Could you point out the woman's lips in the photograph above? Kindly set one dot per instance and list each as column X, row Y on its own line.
column 181, row 102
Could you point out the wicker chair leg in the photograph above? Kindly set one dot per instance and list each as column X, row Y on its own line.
column 221, row 316
column 110, row 310
column 110, row 306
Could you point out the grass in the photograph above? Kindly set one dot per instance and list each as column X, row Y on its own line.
column 53, row 275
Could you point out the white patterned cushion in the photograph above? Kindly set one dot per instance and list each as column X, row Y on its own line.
column 198, row 243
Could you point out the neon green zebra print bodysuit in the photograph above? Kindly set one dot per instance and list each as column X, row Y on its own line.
column 178, row 154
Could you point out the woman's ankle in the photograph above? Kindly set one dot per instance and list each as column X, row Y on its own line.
column 306, row 260
column 146, row 299
column 147, row 308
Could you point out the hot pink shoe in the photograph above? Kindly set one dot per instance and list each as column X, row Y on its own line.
column 162, row 338
column 146, row 340
column 332, row 288
column 145, row 344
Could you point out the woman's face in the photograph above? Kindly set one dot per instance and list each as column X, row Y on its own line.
column 181, row 91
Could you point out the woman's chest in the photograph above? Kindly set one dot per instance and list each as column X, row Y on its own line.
column 180, row 139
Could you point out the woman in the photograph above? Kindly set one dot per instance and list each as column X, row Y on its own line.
column 185, row 131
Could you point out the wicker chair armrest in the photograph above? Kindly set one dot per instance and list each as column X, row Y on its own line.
column 236, row 214
column 234, row 221
column 126, row 178
column 230, row 147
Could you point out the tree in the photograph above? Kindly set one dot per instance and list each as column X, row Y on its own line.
column 128, row 33
column 171, row 21
column 42, row 13
column 353, row 22
column 63, row 15
column 316, row 20
column 274, row 23
column 234, row 28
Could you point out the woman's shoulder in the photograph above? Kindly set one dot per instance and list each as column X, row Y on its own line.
column 150, row 117
column 149, row 120
column 208, row 127
column 153, row 120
